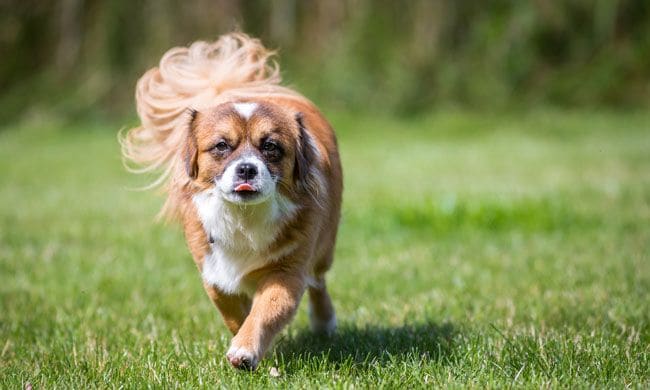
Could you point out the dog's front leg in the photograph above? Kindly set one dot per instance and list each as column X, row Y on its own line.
column 233, row 308
column 274, row 304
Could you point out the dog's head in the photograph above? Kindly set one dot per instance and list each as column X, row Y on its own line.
column 250, row 151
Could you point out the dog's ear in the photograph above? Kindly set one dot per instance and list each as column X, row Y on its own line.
column 191, row 150
column 304, row 171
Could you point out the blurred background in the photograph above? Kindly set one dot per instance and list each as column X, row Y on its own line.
column 80, row 59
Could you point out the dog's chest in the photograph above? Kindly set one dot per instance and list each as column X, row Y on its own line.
column 241, row 240
column 225, row 269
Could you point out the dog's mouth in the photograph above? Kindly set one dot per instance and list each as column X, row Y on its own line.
column 245, row 187
column 246, row 190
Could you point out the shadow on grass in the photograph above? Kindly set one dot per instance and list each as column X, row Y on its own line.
column 367, row 346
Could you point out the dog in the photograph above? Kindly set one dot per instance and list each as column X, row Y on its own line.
column 251, row 170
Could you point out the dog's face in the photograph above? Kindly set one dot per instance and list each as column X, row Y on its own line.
column 248, row 151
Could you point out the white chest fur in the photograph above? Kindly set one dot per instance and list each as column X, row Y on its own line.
column 241, row 235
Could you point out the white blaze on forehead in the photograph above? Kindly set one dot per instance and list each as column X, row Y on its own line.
column 245, row 110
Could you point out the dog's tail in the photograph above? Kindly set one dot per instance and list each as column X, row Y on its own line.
column 201, row 75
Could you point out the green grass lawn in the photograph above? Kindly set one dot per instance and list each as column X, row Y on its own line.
column 474, row 250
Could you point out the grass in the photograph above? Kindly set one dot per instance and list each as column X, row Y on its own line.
column 475, row 250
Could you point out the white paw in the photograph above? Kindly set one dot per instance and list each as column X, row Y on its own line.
column 323, row 327
column 242, row 358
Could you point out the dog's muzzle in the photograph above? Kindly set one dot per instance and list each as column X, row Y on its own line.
column 246, row 181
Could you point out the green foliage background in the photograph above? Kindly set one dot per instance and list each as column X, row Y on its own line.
column 82, row 57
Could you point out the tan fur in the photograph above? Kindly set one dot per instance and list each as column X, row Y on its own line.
column 234, row 68
column 208, row 78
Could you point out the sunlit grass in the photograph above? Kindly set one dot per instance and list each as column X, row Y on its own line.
column 474, row 249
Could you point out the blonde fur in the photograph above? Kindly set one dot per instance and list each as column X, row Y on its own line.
column 235, row 67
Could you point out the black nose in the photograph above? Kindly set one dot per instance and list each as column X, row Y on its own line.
column 246, row 171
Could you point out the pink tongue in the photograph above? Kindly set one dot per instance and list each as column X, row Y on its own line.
column 244, row 187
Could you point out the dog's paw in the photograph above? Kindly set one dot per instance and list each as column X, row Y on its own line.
column 242, row 358
column 325, row 327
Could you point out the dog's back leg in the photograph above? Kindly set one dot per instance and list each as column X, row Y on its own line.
column 321, row 311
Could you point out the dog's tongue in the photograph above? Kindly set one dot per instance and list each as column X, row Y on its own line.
column 244, row 187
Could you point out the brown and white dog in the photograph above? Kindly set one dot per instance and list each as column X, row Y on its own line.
column 252, row 171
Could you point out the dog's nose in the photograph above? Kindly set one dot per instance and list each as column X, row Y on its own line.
column 246, row 171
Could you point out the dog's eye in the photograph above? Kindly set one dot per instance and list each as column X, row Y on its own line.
column 221, row 146
column 269, row 146
column 271, row 150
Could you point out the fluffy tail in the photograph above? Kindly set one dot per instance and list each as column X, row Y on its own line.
column 202, row 75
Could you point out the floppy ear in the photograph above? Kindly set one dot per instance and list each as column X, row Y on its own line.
column 190, row 150
column 304, row 173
